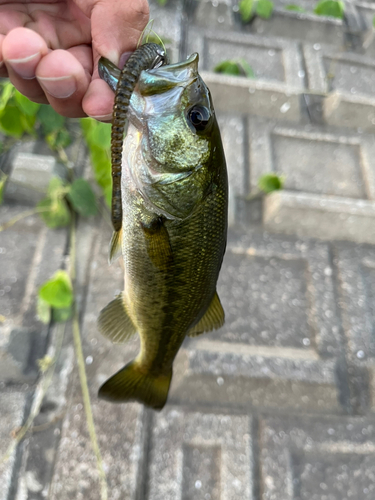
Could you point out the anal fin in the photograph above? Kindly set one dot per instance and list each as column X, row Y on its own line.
column 115, row 246
column 114, row 322
column 212, row 319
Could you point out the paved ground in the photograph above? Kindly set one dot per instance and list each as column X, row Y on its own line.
column 279, row 404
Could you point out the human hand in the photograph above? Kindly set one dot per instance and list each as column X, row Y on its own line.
column 50, row 50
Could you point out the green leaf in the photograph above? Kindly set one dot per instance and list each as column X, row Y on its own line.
column 43, row 311
column 62, row 314
column 28, row 123
column 332, row 8
column 58, row 291
column 58, row 139
column 87, row 125
column 245, row 68
column 82, row 198
column 56, row 213
column 264, row 8
column 49, row 119
column 107, row 191
column 10, row 121
column 246, row 8
column 162, row 2
column 295, row 8
column 25, row 105
column 100, row 135
column 6, row 92
column 3, row 179
column 238, row 67
column 270, row 182
column 97, row 136
column 228, row 68
column 57, row 188
column 101, row 164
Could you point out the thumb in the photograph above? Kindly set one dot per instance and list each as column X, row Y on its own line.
column 116, row 25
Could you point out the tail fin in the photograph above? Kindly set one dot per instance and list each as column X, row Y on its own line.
column 133, row 384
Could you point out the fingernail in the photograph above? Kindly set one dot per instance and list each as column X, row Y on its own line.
column 23, row 67
column 60, row 87
column 103, row 118
column 112, row 55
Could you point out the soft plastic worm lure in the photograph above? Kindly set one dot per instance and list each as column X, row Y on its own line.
column 147, row 56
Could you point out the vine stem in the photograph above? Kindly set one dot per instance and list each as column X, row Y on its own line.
column 23, row 215
column 81, row 368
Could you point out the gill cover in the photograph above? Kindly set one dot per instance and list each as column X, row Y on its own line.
column 169, row 142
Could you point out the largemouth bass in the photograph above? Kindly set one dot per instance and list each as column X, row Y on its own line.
column 174, row 208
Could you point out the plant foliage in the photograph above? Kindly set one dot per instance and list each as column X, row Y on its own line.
column 331, row 8
column 270, row 182
column 249, row 8
column 98, row 139
column 20, row 116
column 295, row 8
column 236, row 67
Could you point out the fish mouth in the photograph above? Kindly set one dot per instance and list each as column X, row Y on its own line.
column 159, row 80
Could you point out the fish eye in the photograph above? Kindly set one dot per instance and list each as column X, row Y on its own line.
column 199, row 117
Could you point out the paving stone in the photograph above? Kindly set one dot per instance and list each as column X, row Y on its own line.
column 356, row 270
column 30, row 254
column 350, row 73
column 34, row 479
column 120, row 439
column 119, row 427
column 366, row 11
column 316, row 73
column 233, row 135
column 332, row 192
column 247, row 96
column 302, row 26
column 12, row 412
column 353, row 111
column 281, row 325
column 359, row 32
column 200, row 456
column 347, row 82
column 309, row 215
column 271, row 59
column 30, row 176
column 312, row 459
column 208, row 14
column 167, row 23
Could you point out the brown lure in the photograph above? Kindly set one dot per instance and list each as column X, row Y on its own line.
column 147, row 56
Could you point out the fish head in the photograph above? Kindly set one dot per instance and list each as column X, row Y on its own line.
column 172, row 112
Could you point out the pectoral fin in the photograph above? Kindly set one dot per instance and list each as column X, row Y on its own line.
column 115, row 246
column 115, row 323
column 158, row 245
column 213, row 318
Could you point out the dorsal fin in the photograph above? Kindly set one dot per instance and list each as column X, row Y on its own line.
column 114, row 322
column 212, row 319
